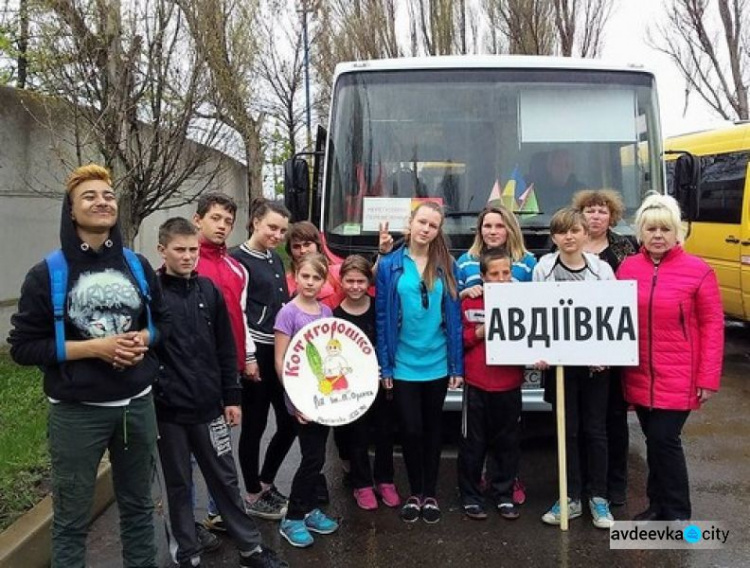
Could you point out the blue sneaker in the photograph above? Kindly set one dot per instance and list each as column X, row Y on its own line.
column 600, row 515
column 552, row 517
column 296, row 533
column 317, row 521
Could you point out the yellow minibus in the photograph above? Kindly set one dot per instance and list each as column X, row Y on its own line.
column 720, row 231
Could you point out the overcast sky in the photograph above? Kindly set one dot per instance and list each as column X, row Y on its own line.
column 625, row 42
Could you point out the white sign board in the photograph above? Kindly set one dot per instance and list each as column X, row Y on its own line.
column 331, row 371
column 392, row 210
column 562, row 323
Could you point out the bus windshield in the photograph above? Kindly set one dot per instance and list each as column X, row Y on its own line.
column 526, row 138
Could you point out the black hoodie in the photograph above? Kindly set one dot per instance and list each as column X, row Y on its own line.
column 103, row 299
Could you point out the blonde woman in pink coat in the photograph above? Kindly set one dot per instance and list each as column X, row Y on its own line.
column 681, row 347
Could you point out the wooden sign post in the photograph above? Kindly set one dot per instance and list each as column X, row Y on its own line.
column 562, row 465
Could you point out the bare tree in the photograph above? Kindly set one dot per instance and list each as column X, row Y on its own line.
column 580, row 26
column 527, row 26
column 547, row 27
column 441, row 25
column 281, row 68
column 351, row 30
column 132, row 86
column 225, row 33
column 711, row 54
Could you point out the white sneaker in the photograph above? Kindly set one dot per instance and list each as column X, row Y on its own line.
column 600, row 515
column 552, row 517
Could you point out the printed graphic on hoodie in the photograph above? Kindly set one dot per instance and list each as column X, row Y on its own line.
column 102, row 304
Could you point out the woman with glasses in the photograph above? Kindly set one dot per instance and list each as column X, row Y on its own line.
column 420, row 348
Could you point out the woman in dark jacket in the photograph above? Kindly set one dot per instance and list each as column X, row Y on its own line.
column 420, row 348
column 603, row 209
column 267, row 293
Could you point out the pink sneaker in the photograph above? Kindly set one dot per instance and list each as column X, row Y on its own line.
column 519, row 492
column 365, row 498
column 389, row 494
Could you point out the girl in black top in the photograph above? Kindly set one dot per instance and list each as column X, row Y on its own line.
column 359, row 308
column 267, row 293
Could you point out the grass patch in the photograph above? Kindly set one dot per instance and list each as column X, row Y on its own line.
column 24, row 459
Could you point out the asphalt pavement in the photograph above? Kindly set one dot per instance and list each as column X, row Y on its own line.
column 718, row 455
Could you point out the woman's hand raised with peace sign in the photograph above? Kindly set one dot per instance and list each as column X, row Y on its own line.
column 385, row 240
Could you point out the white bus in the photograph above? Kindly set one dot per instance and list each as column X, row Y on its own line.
column 533, row 129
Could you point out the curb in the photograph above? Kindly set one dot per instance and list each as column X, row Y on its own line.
column 27, row 543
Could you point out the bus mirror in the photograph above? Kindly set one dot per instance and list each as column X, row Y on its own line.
column 685, row 184
column 297, row 188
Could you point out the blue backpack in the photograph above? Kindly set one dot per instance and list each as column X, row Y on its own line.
column 57, row 266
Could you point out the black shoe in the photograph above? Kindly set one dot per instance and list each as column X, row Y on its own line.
column 475, row 512
column 650, row 514
column 430, row 511
column 321, row 490
column 207, row 541
column 262, row 558
column 509, row 511
column 411, row 510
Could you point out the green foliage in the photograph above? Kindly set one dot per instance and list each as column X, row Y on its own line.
column 23, row 439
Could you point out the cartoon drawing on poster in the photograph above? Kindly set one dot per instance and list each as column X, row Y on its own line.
column 337, row 387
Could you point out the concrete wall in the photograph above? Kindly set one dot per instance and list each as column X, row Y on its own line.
column 33, row 170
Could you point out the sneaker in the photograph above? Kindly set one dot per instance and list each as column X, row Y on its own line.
column 268, row 507
column 389, row 494
column 317, row 521
column 519, row 492
column 430, row 511
column 194, row 562
column 296, row 533
column 207, row 541
column 214, row 523
column 411, row 511
column 366, row 499
column 600, row 515
column 552, row 517
column 277, row 496
column 475, row 512
column 509, row 511
column 262, row 557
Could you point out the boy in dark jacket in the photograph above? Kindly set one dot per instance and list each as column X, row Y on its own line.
column 98, row 379
column 492, row 407
column 197, row 399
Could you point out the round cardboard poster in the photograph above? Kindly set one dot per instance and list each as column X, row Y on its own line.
column 331, row 371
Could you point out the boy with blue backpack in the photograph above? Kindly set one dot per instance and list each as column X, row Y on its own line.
column 88, row 316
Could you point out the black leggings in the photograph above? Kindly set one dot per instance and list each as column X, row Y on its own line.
column 257, row 398
column 420, row 409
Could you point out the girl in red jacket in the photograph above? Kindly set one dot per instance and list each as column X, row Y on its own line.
column 681, row 344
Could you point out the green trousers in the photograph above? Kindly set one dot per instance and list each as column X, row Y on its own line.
column 78, row 436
